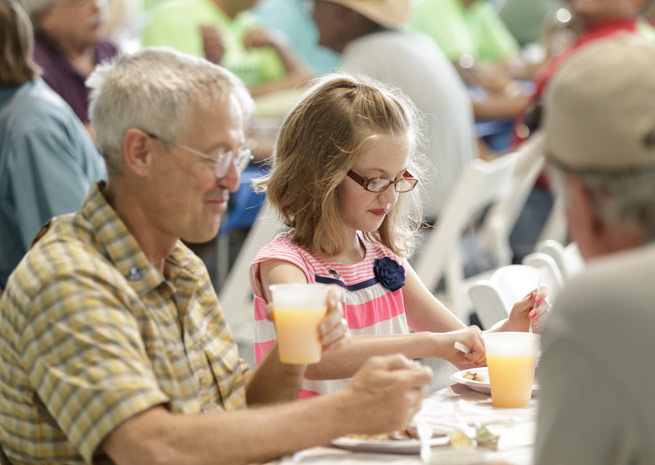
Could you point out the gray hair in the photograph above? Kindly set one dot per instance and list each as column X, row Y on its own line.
column 156, row 90
column 623, row 199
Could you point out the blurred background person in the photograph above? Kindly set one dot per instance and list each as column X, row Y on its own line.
column 368, row 37
column 292, row 18
column 225, row 32
column 47, row 160
column 525, row 18
column 592, row 20
column 69, row 43
column 477, row 42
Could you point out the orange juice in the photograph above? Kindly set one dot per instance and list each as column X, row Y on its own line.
column 511, row 379
column 297, row 334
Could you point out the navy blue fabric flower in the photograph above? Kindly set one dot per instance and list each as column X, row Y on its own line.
column 390, row 273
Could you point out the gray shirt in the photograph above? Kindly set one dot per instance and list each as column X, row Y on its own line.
column 597, row 373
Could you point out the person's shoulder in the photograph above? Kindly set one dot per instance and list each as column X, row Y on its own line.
column 64, row 248
column 39, row 118
column 282, row 244
column 36, row 107
column 35, row 99
column 610, row 289
column 397, row 44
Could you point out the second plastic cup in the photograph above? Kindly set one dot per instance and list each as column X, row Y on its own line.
column 298, row 309
column 511, row 358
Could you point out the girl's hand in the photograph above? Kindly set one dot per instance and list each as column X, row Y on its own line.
column 471, row 337
column 525, row 313
column 333, row 330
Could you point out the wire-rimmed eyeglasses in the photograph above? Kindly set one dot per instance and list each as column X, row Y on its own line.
column 404, row 184
column 222, row 163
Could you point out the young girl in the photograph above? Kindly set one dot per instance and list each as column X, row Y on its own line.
column 344, row 176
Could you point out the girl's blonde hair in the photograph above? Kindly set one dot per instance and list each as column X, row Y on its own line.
column 320, row 141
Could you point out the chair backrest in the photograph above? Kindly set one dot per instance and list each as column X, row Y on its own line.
column 494, row 298
column 235, row 296
column 549, row 269
column 568, row 259
column 499, row 184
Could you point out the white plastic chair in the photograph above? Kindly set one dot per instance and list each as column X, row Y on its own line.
column 568, row 259
column 494, row 298
column 502, row 184
column 549, row 270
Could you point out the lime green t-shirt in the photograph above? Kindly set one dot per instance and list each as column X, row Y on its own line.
column 476, row 30
column 177, row 25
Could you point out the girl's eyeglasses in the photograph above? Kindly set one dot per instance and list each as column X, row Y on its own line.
column 404, row 184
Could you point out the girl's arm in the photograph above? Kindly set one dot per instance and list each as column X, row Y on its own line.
column 424, row 311
column 345, row 361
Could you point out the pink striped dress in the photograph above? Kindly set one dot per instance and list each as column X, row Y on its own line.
column 369, row 307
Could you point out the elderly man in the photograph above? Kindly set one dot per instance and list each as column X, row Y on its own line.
column 69, row 45
column 113, row 345
column 596, row 373
column 367, row 36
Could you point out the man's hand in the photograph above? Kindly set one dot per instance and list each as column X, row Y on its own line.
column 385, row 394
column 212, row 43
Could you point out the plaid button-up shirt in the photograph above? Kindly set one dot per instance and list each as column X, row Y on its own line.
column 91, row 334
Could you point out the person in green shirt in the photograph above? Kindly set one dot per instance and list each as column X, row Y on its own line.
column 226, row 33
column 465, row 27
column 474, row 38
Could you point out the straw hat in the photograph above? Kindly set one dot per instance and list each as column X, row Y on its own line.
column 387, row 13
column 600, row 107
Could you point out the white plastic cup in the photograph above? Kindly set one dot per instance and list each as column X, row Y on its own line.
column 511, row 358
column 298, row 309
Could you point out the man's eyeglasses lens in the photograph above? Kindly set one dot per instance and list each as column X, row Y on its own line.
column 222, row 163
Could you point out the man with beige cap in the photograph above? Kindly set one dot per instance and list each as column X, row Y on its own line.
column 596, row 374
column 366, row 33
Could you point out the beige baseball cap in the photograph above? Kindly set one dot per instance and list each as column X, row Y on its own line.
column 387, row 13
column 599, row 110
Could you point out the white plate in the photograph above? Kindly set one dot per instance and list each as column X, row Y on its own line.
column 480, row 386
column 390, row 446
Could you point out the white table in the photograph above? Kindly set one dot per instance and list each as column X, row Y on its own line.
column 454, row 404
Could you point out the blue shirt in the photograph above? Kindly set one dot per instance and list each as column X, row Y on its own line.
column 292, row 19
column 47, row 165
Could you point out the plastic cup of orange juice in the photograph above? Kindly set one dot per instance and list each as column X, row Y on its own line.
column 511, row 359
column 298, row 309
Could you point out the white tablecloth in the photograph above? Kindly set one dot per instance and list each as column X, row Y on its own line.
column 459, row 405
